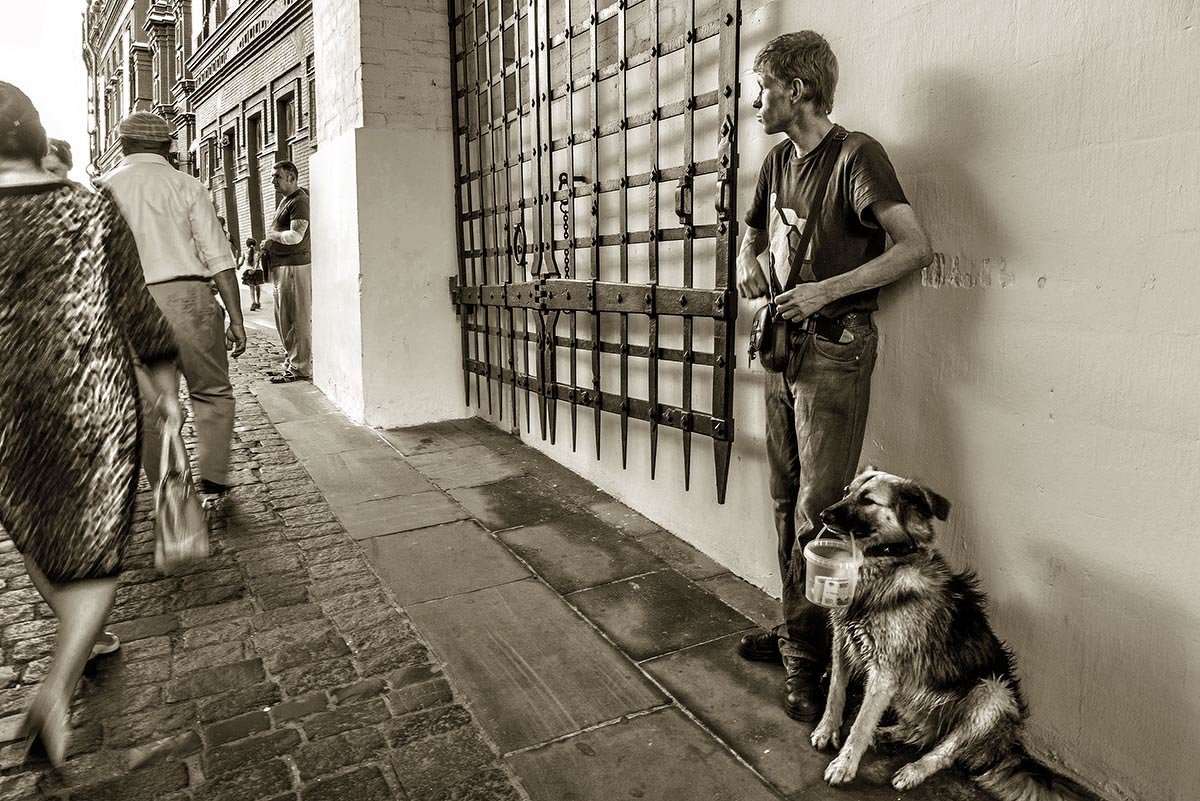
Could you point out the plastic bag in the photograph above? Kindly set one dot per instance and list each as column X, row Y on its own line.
column 180, row 524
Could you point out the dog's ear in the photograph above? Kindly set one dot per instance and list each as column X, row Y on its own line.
column 868, row 469
column 925, row 501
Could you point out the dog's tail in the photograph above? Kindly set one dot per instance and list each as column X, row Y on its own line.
column 1018, row 777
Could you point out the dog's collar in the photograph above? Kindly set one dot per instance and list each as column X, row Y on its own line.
column 893, row 549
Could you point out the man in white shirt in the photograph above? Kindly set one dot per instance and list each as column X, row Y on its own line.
column 182, row 249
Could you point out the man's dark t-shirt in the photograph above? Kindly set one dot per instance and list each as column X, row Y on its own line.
column 847, row 234
column 293, row 207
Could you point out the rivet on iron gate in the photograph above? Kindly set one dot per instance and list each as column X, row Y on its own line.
column 592, row 19
column 621, row 64
column 654, row 51
column 620, row 298
column 683, row 300
column 727, row 91
column 691, row 35
column 728, row 19
column 649, row 298
column 720, row 361
column 624, row 349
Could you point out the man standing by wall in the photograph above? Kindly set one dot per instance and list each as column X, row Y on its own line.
column 182, row 249
column 290, row 265
column 817, row 406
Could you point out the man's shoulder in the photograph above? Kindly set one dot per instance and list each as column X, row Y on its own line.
column 857, row 141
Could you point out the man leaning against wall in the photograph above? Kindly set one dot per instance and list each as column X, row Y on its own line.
column 182, row 248
column 289, row 254
column 816, row 406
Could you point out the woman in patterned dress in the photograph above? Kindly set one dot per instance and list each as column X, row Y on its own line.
column 74, row 311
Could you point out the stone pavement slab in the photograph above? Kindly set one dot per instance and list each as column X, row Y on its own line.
column 662, row 755
column 394, row 515
column 574, row 551
column 468, row 466
column 441, row 561
column 367, row 474
column 532, row 670
column 657, row 613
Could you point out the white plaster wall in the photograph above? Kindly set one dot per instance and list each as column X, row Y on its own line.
column 383, row 211
column 1043, row 379
column 337, row 315
column 406, row 192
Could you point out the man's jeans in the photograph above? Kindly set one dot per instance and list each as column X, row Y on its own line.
column 816, row 416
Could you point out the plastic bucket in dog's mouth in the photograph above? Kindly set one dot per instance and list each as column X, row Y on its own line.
column 831, row 572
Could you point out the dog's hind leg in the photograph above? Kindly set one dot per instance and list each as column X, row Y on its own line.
column 881, row 685
column 940, row 758
column 990, row 714
column 829, row 729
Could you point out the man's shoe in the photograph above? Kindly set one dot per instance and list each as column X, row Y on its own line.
column 761, row 646
column 803, row 699
column 288, row 378
column 212, row 488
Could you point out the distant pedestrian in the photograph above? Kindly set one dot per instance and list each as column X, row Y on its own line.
column 182, row 249
column 252, row 273
column 75, row 314
column 58, row 158
column 291, row 273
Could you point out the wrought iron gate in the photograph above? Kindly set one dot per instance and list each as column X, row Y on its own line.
column 582, row 195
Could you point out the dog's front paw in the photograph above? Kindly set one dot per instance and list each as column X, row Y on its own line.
column 826, row 734
column 909, row 776
column 841, row 770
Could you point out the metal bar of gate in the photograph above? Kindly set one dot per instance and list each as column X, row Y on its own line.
column 595, row 250
column 569, row 218
column 456, row 121
column 522, row 112
column 482, row 84
column 492, row 170
column 506, row 128
column 622, row 46
column 689, row 158
column 723, row 342
column 652, row 204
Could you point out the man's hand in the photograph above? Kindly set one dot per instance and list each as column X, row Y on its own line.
column 803, row 301
column 751, row 280
column 235, row 339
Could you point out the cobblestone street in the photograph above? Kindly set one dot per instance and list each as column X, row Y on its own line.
column 277, row 669
column 438, row 613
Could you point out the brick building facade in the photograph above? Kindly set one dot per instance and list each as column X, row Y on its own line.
column 252, row 97
column 117, row 56
column 233, row 78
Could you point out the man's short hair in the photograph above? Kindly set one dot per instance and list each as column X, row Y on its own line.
column 288, row 166
column 804, row 55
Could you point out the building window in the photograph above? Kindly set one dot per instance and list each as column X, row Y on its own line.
column 285, row 127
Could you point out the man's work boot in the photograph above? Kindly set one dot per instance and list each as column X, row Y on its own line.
column 761, row 646
column 803, row 699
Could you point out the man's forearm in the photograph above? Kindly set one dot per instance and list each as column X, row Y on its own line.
column 895, row 263
column 231, row 295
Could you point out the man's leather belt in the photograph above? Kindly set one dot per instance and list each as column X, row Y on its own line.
column 831, row 328
column 204, row 278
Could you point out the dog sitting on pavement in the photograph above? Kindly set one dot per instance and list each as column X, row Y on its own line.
column 917, row 632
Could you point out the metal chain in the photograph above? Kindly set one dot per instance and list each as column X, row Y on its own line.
column 564, row 205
